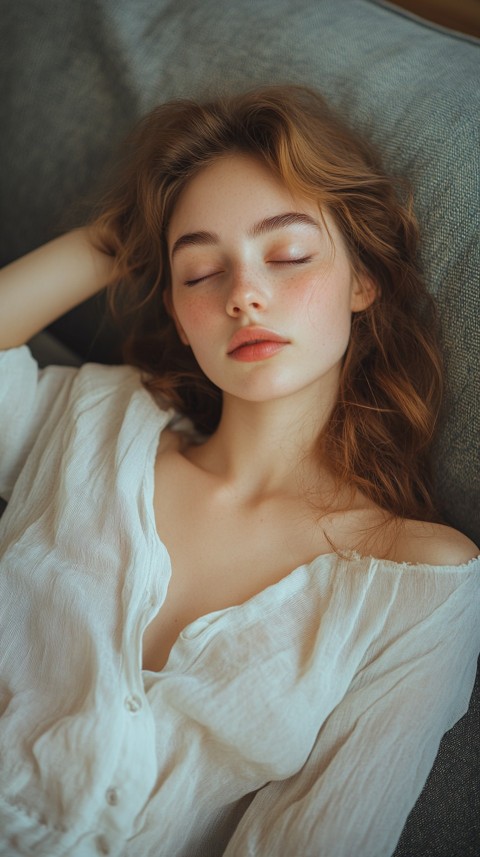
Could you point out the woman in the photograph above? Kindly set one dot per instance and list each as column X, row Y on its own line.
column 232, row 623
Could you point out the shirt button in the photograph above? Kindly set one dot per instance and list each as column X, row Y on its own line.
column 112, row 797
column 133, row 703
column 102, row 844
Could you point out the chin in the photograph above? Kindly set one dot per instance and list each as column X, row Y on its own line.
column 263, row 392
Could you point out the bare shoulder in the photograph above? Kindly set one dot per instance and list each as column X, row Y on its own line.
column 432, row 544
column 169, row 441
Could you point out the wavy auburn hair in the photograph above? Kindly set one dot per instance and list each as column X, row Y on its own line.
column 379, row 431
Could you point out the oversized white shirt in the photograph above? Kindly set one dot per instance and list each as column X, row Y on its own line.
column 302, row 722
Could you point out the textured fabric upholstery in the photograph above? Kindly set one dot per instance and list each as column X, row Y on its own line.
column 77, row 74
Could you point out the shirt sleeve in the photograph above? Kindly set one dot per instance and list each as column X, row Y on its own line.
column 29, row 399
column 373, row 754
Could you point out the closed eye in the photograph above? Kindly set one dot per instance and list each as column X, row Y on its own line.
column 301, row 261
column 200, row 279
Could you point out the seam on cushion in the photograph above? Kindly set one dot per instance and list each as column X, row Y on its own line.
column 430, row 25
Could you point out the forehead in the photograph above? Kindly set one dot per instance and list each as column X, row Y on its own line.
column 235, row 189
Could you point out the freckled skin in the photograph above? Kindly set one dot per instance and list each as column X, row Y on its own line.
column 292, row 280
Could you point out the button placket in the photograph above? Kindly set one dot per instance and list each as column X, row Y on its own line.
column 102, row 844
column 112, row 796
column 132, row 703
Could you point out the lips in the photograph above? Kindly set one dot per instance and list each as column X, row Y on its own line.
column 253, row 336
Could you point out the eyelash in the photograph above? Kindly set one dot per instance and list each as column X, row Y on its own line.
column 194, row 282
column 295, row 261
column 301, row 261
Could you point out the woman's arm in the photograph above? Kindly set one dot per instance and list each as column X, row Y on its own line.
column 41, row 286
column 374, row 753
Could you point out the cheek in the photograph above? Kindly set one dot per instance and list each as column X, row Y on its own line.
column 193, row 314
column 326, row 306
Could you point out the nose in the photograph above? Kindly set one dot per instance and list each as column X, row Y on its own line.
column 246, row 293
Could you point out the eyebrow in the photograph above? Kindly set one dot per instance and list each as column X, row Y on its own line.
column 268, row 224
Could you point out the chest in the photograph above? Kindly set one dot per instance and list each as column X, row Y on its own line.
column 221, row 556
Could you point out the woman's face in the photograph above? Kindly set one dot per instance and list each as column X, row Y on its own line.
column 260, row 291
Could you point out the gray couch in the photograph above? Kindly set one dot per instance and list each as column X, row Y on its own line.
column 77, row 73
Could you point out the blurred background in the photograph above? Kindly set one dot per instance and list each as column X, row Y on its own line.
column 462, row 15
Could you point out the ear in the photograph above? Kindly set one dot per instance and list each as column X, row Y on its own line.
column 364, row 291
column 168, row 304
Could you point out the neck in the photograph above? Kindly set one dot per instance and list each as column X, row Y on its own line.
column 261, row 448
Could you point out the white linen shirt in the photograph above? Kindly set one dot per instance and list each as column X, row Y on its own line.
column 302, row 722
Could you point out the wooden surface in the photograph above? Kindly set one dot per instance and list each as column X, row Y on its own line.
column 462, row 15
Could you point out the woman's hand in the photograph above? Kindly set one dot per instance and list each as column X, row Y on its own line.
column 41, row 286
